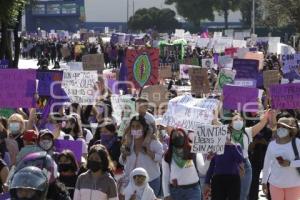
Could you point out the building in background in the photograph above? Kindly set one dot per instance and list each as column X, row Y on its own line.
column 97, row 14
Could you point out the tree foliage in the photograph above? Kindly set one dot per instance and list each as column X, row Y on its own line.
column 163, row 20
column 194, row 10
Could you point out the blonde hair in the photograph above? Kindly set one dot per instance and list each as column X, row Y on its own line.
column 17, row 118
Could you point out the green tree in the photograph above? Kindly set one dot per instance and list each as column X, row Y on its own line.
column 246, row 11
column 194, row 10
column 10, row 19
column 282, row 13
column 224, row 6
column 162, row 20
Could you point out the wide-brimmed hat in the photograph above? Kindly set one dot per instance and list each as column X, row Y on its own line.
column 287, row 122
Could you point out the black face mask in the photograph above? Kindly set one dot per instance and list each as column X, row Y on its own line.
column 94, row 166
column 66, row 167
column 178, row 141
column 67, row 130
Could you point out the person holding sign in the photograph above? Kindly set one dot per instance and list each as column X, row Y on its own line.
column 242, row 136
column 281, row 165
column 223, row 179
column 181, row 169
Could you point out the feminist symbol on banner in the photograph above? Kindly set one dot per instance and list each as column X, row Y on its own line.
column 142, row 70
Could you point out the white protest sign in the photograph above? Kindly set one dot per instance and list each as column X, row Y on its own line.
column 218, row 34
column 239, row 43
column 207, row 63
column 210, row 139
column 290, row 62
column 75, row 66
column 245, row 83
column 123, row 107
column 79, row 86
column 179, row 33
column 229, row 32
column 220, row 44
column 202, row 42
column 239, row 35
column 225, row 62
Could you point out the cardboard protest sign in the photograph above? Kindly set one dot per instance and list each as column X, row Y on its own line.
column 49, row 83
column 165, row 72
column 226, row 76
column 256, row 56
column 74, row 146
column 209, row 139
column 271, row 77
column 4, row 64
column 285, row 96
column 246, row 68
column 199, row 81
column 143, row 66
column 17, row 87
column 93, row 62
column 123, row 110
column 157, row 95
column 245, row 83
column 79, row 86
column 240, row 98
column 207, row 63
column 184, row 71
column 225, row 62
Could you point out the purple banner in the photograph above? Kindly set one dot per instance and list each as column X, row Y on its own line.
column 46, row 79
column 74, row 146
column 246, row 68
column 17, row 88
column 286, row 96
column 240, row 98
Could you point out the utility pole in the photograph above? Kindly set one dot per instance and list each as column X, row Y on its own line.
column 253, row 16
column 127, row 13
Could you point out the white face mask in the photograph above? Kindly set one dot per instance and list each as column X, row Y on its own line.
column 14, row 127
column 46, row 144
column 137, row 133
column 238, row 125
column 282, row 132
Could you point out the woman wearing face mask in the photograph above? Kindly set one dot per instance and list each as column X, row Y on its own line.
column 74, row 128
column 67, row 168
column 106, row 134
column 138, row 187
column 280, row 163
column 46, row 140
column 181, row 169
column 242, row 136
column 96, row 183
column 16, row 127
column 137, row 155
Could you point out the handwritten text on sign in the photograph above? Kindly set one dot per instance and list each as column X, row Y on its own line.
column 79, row 86
column 210, row 138
column 285, row 96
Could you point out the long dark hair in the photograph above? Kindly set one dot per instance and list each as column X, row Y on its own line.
column 186, row 147
column 142, row 121
column 70, row 156
column 104, row 156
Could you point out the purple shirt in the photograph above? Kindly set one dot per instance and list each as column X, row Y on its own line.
column 226, row 164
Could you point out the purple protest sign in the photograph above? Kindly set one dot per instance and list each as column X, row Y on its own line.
column 74, row 146
column 113, row 86
column 46, row 79
column 246, row 68
column 286, row 96
column 17, row 88
column 240, row 98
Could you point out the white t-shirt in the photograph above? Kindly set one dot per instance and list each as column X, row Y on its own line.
column 282, row 177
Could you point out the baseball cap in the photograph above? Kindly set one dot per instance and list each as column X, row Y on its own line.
column 30, row 136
